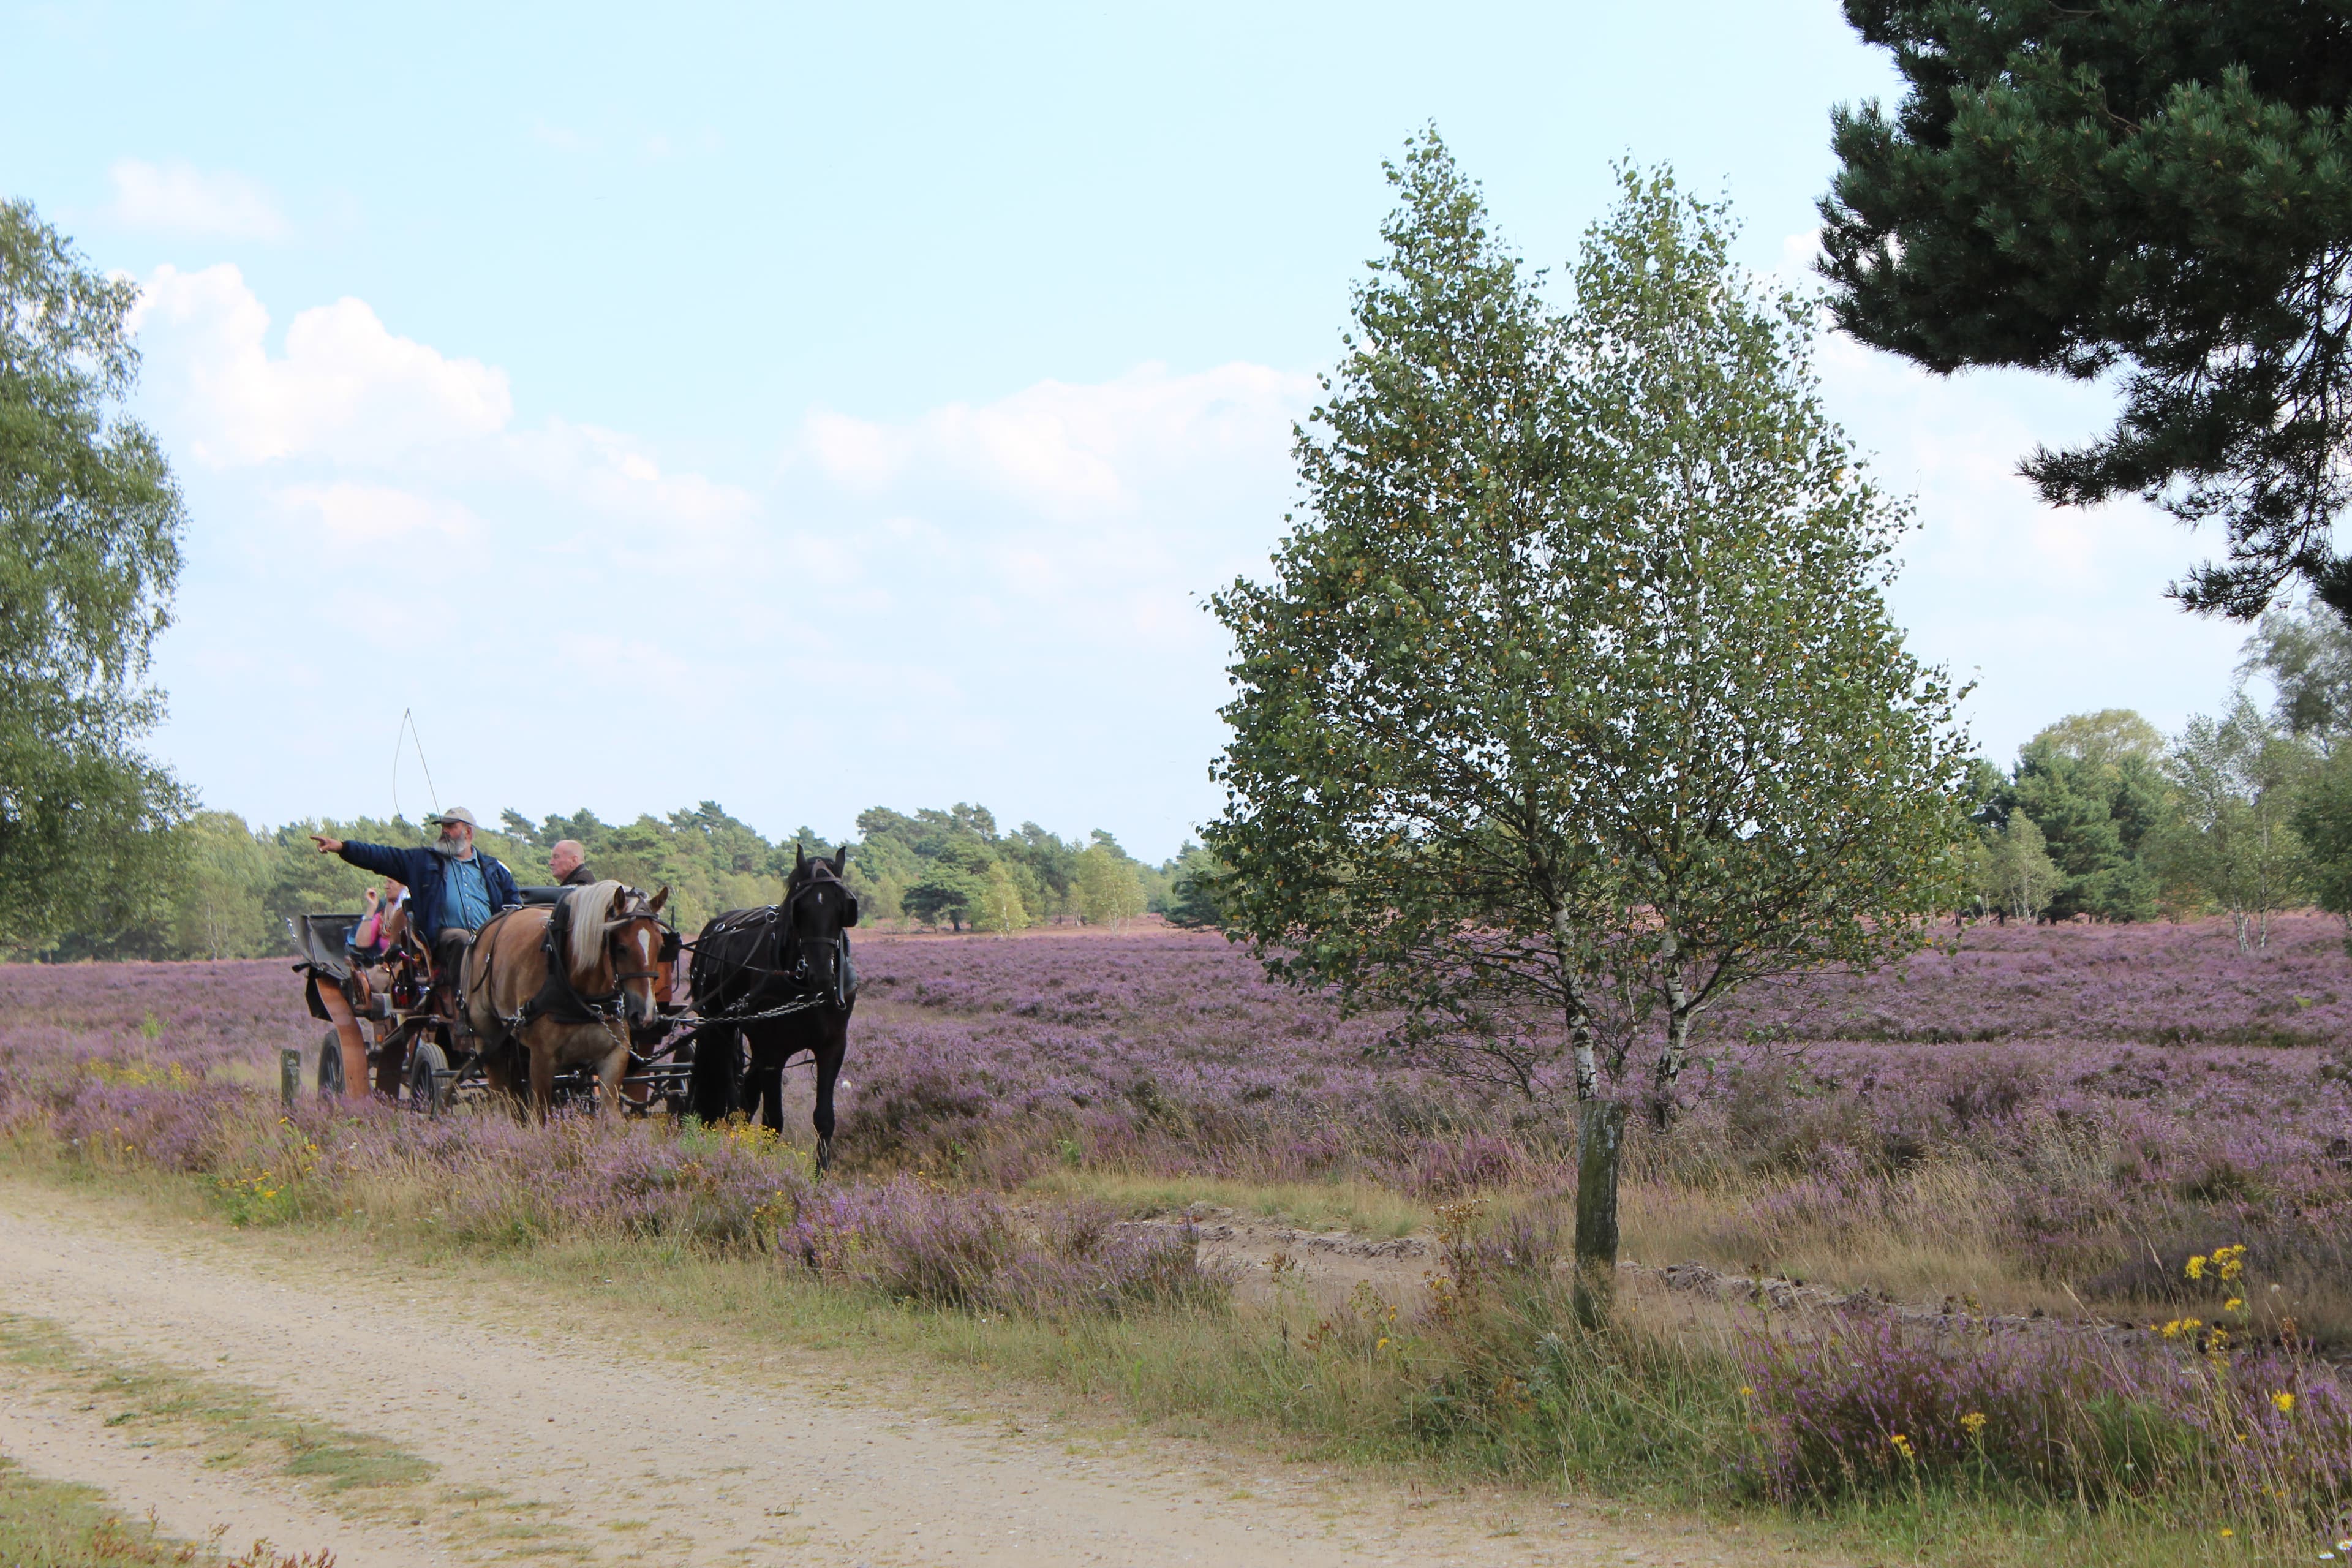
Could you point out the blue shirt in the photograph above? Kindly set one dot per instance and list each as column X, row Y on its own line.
column 464, row 895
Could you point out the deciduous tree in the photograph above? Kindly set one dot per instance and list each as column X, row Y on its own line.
column 89, row 528
column 1001, row 909
column 2237, row 781
column 1575, row 669
column 1107, row 890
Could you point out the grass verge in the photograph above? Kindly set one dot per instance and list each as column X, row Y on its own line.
column 1490, row 1386
column 1356, row 1207
column 61, row 1524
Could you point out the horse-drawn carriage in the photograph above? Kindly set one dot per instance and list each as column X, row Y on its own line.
column 385, row 1033
column 582, row 991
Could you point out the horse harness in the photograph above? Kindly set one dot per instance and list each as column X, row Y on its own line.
column 558, row 998
column 790, row 965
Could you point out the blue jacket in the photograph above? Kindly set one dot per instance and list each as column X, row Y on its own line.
column 423, row 869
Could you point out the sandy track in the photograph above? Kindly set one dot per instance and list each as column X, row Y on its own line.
column 66, row 1440
column 647, row 1458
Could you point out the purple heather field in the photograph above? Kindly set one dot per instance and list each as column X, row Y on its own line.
column 2132, row 1092
column 2074, row 1113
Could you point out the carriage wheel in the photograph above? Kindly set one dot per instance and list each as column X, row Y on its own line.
column 331, row 1065
column 428, row 1090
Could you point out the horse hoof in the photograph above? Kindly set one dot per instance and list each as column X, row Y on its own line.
column 824, row 1155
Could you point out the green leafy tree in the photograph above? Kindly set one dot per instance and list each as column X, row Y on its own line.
column 220, row 903
column 1193, row 878
column 945, row 893
column 2155, row 190
column 1000, row 907
column 2014, row 873
column 89, row 528
column 1574, row 683
column 2238, row 781
column 2323, row 820
column 2307, row 656
column 1108, row 891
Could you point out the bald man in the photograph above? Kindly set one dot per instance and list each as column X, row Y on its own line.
column 568, row 861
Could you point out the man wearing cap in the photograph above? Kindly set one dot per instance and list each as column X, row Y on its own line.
column 453, row 890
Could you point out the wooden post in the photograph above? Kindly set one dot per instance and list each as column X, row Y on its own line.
column 289, row 1074
column 1600, row 1136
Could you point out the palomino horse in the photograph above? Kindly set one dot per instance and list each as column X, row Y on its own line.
column 565, row 984
column 779, row 977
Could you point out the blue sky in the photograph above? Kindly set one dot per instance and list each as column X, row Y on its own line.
column 810, row 410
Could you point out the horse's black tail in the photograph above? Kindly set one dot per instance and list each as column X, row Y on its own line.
column 715, row 1086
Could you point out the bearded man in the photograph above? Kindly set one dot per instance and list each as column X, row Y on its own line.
column 453, row 890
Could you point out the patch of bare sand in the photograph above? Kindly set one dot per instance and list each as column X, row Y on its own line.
column 649, row 1459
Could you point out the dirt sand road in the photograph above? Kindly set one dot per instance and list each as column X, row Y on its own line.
column 641, row 1457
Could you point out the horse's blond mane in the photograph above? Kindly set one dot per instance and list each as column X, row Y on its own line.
column 592, row 906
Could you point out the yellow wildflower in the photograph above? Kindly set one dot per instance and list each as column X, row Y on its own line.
column 2197, row 1266
column 2286, row 1402
column 1973, row 1423
column 2233, row 1303
column 1745, row 1392
column 1383, row 1344
column 1902, row 1445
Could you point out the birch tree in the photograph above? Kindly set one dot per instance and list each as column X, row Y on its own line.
column 1783, row 777
column 2236, row 781
column 1407, row 819
column 1574, row 698
column 89, row 552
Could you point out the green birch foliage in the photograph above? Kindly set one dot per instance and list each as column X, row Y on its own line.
column 1404, row 818
column 1573, row 683
column 1106, row 889
column 89, row 529
column 1783, row 779
column 2237, row 782
column 1001, row 908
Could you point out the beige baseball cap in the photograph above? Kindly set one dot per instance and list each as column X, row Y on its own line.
column 458, row 814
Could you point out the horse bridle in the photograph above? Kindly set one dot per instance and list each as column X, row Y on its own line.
column 838, row 942
column 622, row 976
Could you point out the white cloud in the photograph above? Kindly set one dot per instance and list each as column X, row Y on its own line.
column 183, row 199
column 357, row 517
column 992, row 600
column 344, row 388
column 1071, row 451
column 2053, row 610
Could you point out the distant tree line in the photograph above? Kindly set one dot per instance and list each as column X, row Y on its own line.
column 2244, row 813
column 226, row 889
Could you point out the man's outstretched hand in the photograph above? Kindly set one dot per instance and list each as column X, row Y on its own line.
column 327, row 845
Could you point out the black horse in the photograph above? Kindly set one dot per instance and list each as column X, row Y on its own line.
column 780, row 978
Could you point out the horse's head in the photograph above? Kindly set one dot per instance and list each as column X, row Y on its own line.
column 819, row 906
column 616, row 941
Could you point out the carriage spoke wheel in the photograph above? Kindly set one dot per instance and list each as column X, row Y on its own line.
column 428, row 1082
column 331, row 1065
